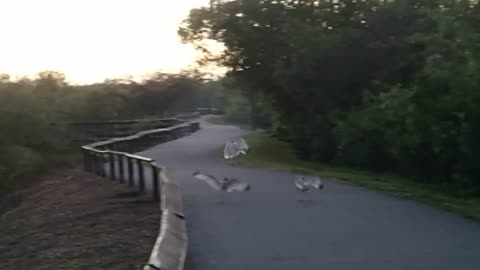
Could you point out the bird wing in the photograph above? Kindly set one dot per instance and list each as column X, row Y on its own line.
column 300, row 183
column 300, row 179
column 209, row 179
column 243, row 144
column 238, row 147
column 229, row 151
column 237, row 186
column 300, row 186
column 315, row 182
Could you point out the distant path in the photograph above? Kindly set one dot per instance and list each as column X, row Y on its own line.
column 274, row 227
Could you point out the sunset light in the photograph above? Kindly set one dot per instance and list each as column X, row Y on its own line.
column 91, row 40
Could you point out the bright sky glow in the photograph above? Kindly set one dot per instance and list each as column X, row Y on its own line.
column 91, row 40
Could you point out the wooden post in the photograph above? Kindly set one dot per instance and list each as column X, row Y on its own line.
column 130, row 171
column 120, row 168
column 112, row 166
column 156, row 184
column 141, row 176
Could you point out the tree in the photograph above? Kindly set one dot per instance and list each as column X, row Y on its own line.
column 309, row 57
column 384, row 85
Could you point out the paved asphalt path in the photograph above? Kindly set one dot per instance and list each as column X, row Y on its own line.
column 275, row 227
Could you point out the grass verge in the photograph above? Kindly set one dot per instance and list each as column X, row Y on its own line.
column 268, row 152
column 221, row 120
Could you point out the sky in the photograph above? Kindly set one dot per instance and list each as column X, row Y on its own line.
column 91, row 40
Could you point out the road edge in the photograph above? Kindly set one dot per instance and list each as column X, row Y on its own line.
column 170, row 249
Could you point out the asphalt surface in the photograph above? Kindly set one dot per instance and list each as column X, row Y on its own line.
column 276, row 227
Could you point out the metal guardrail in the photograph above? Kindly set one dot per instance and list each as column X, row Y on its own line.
column 213, row 111
column 112, row 158
column 170, row 249
column 84, row 132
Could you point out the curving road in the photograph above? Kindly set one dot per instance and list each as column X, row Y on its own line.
column 275, row 227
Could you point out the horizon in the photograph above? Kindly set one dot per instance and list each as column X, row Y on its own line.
column 92, row 41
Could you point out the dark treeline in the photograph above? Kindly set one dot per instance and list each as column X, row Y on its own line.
column 30, row 144
column 381, row 85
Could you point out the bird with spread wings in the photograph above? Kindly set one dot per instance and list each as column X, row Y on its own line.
column 227, row 184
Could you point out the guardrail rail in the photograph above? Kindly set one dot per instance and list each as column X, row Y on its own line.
column 113, row 159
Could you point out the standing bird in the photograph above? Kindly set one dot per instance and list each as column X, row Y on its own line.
column 226, row 184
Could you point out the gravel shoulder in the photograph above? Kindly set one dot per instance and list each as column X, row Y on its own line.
column 73, row 220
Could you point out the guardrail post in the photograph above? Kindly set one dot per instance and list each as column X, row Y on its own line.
column 86, row 160
column 93, row 163
column 156, row 184
column 112, row 166
column 120, row 168
column 130, row 171
column 98, row 161
column 196, row 126
column 141, row 176
column 101, row 165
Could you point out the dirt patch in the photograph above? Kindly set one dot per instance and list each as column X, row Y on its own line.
column 74, row 220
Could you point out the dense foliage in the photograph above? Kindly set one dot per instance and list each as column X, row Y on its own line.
column 29, row 142
column 376, row 84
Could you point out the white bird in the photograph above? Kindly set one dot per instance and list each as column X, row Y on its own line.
column 300, row 183
column 226, row 184
column 209, row 179
column 230, row 150
column 315, row 182
column 305, row 183
column 234, row 148
column 242, row 146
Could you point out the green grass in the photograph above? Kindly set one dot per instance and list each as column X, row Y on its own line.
column 221, row 120
column 267, row 152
